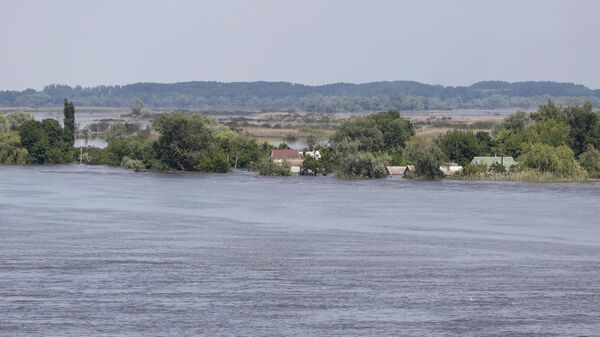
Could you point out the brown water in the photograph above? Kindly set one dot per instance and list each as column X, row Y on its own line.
column 97, row 251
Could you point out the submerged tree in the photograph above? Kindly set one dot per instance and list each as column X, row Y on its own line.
column 267, row 167
column 362, row 165
column 590, row 161
column 11, row 151
column 69, row 121
column 461, row 146
column 187, row 143
column 427, row 158
column 45, row 141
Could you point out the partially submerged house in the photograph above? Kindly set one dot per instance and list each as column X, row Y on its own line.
column 292, row 156
column 507, row 162
column 399, row 171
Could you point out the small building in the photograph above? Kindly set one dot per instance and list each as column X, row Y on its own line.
column 507, row 162
column 290, row 155
column 451, row 169
column 399, row 171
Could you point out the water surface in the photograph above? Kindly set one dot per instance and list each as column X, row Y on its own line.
column 108, row 252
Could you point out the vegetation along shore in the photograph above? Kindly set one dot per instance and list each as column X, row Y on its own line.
column 553, row 143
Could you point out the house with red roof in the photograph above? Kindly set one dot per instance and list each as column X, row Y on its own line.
column 292, row 156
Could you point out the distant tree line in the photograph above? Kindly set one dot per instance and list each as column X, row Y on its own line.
column 330, row 98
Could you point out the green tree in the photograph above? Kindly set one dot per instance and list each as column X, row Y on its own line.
column 361, row 130
column 16, row 119
column 461, row 146
column 556, row 160
column 486, row 140
column 362, row 165
column 552, row 132
column 45, row 142
column 11, row 151
column 240, row 151
column 394, row 129
column 134, row 147
column 590, row 161
column 267, row 167
column 183, row 141
column 312, row 167
column 548, row 111
column 584, row 127
column 135, row 164
column 427, row 159
column 213, row 161
column 518, row 121
column 383, row 131
column 69, row 122
column 512, row 142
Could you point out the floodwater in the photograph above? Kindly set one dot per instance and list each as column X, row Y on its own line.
column 97, row 251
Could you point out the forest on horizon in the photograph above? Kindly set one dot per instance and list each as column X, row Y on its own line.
column 328, row 98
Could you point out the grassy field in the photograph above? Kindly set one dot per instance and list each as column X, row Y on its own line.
column 278, row 126
column 299, row 132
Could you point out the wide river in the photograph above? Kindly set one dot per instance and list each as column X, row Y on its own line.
column 98, row 251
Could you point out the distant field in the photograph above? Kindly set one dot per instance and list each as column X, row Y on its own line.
column 276, row 127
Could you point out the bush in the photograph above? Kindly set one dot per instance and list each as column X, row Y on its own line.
column 312, row 167
column 497, row 168
column 135, row 164
column 362, row 165
column 590, row 161
column 156, row 165
column 556, row 160
column 474, row 169
column 267, row 167
column 214, row 161
column 95, row 156
column 132, row 147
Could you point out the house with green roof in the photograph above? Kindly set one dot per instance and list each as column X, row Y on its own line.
column 507, row 162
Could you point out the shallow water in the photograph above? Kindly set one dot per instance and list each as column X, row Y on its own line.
column 108, row 252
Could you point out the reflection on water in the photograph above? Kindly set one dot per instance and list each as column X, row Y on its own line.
column 109, row 252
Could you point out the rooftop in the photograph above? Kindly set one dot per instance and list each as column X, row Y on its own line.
column 285, row 154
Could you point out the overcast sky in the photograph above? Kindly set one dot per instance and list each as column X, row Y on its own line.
column 313, row 42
